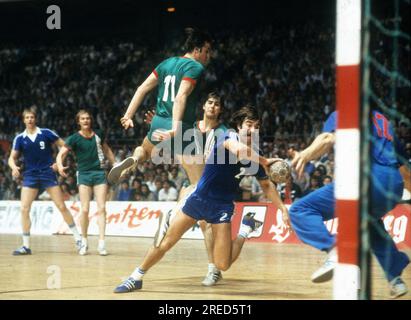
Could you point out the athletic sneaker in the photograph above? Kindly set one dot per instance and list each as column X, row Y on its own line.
column 326, row 271
column 22, row 251
column 117, row 170
column 83, row 250
column 397, row 288
column 102, row 251
column 163, row 224
column 212, row 278
column 249, row 220
column 129, row 285
column 78, row 244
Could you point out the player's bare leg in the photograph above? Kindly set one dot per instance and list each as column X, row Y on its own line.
column 194, row 172
column 214, row 274
column 180, row 224
column 226, row 251
column 27, row 197
column 57, row 197
column 194, row 167
column 208, row 240
column 85, row 193
column 140, row 154
column 100, row 194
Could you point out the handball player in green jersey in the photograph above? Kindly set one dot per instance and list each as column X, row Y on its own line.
column 177, row 79
column 91, row 150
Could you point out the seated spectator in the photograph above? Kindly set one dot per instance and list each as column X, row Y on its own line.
column 164, row 176
column 159, row 185
column 290, row 191
column 322, row 169
column 149, row 181
column 245, row 187
column 124, row 193
column 256, row 190
column 327, row 180
column 146, row 194
column 137, row 196
column 135, row 187
column 168, row 192
column 177, row 177
column 314, row 184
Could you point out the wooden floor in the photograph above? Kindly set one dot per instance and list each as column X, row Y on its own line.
column 263, row 271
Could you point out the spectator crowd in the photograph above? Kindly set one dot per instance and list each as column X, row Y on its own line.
column 287, row 73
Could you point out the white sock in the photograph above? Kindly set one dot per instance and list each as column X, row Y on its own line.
column 244, row 231
column 26, row 240
column 84, row 241
column 212, row 267
column 101, row 244
column 138, row 274
column 75, row 232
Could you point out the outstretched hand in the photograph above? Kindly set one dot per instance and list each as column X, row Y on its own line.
column 148, row 116
column 161, row 135
column 126, row 122
column 286, row 218
column 61, row 170
column 299, row 161
column 15, row 172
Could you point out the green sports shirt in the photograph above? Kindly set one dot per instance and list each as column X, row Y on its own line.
column 208, row 139
column 170, row 73
column 88, row 151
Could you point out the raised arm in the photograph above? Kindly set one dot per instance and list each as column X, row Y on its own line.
column 180, row 101
column 244, row 152
column 321, row 144
column 149, row 84
column 179, row 106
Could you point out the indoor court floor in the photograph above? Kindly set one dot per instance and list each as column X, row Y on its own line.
column 263, row 271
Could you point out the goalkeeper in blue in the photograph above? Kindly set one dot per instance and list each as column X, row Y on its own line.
column 308, row 214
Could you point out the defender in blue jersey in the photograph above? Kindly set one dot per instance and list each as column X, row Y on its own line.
column 35, row 144
column 206, row 132
column 212, row 199
column 309, row 213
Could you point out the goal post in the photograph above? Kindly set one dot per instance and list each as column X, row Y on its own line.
column 347, row 150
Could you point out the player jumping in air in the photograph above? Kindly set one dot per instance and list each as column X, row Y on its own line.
column 177, row 79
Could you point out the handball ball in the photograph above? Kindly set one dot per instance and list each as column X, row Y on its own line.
column 280, row 171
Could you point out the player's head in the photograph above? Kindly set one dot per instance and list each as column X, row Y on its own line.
column 198, row 44
column 84, row 119
column 246, row 121
column 29, row 117
column 213, row 106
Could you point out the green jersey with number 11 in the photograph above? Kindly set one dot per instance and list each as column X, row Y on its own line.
column 170, row 73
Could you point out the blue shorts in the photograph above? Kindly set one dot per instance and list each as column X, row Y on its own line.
column 205, row 209
column 40, row 179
